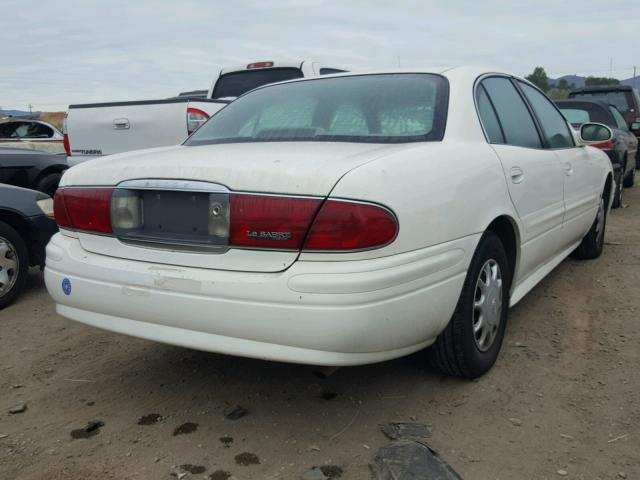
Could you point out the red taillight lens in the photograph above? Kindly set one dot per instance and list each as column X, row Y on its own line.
column 345, row 225
column 604, row 145
column 270, row 221
column 87, row 209
column 59, row 209
column 67, row 146
column 65, row 141
column 195, row 118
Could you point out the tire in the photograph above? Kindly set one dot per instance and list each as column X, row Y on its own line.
column 49, row 183
column 630, row 181
column 14, row 264
column 458, row 351
column 593, row 242
column 617, row 195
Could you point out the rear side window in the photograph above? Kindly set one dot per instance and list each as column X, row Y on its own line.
column 576, row 116
column 617, row 116
column 329, row 71
column 489, row 118
column 234, row 84
column 518, row 126
column 553, row 124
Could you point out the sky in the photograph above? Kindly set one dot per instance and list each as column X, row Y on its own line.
column 56, row 53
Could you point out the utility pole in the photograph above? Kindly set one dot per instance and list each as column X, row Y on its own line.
column 635, row 80
column 30, row 109
column 611, row 67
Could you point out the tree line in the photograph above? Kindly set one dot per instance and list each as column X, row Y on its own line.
column 562, row 88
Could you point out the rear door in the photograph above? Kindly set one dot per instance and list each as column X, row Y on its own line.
column 580, row 166
column 533, row 173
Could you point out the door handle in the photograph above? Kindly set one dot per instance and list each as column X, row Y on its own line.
column 568, row 168
column 121, row 124
column 517, row 174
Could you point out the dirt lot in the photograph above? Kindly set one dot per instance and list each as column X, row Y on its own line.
column 562, row 401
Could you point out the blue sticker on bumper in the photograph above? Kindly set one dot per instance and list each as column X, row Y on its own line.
column 66, row 286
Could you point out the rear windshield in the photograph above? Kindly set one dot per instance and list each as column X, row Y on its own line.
column 621, row 100
column 578, row 113
column 385, row 108
column 235, row 84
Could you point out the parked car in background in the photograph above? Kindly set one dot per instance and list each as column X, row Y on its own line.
column 31, row 169
column 26, row 225
column 337, row 221
column 625, row 98
column 32, row 134
column 97, row 129
column 622, row 148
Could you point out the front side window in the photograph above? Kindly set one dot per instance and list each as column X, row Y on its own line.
column 384, row 108
column 553, row 124
column 8, row 129
column 518, row 126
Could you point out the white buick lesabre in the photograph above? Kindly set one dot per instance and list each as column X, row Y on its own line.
column 341, row 220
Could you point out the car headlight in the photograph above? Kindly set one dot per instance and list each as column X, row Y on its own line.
column 46, row 205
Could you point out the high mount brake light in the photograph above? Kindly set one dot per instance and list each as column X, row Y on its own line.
column 259, row 65
column 87, row 209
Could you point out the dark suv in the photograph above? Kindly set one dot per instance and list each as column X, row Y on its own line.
column 625, row 98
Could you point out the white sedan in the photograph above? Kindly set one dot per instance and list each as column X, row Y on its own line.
column 340, row 220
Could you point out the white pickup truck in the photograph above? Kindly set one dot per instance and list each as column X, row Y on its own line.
column 97, row 129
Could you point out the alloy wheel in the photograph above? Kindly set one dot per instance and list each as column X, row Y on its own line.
column 9, row 266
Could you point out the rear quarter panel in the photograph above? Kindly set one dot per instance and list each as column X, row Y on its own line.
column 439, row 192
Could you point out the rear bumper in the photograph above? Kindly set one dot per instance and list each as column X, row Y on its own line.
column 323, row 313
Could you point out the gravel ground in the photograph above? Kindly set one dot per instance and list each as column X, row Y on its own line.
column 563, row 401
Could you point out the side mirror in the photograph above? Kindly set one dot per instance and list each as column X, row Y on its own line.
column 591, row 133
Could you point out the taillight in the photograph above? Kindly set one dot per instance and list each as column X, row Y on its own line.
column 87, row 209
column 604, row 145
column 65, row 142
column 195, row 118
column 269, row 221
column 346, row 225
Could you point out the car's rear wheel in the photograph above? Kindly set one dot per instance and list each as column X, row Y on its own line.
column 469, row 345
column 617, row 195
column 14, row 264
column 593, row 242
column 49, row 183
column 631, row 179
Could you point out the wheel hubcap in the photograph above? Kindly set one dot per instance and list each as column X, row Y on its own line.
column 9, row 266
column 487, row 305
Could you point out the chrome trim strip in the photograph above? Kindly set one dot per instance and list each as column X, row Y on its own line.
column 175, row 185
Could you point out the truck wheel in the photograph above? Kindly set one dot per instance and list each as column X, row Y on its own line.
column 469, row 345
column 593, row 242
column 14, row 264
column 49, row 183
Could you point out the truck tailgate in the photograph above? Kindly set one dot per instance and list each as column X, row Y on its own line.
column 108, row 128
